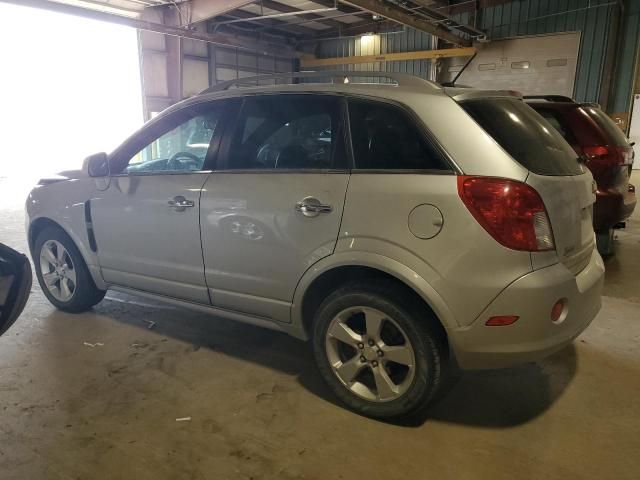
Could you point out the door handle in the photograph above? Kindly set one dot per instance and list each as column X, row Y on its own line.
column 180, row 203
column 311, row 207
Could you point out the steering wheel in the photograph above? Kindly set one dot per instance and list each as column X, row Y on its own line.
column 267, row 156
column 175, row 164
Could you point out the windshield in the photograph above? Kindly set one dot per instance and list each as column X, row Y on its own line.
column 525, row 135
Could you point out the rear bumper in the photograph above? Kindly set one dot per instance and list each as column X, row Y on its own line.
column 534, row 336
column 613, row 207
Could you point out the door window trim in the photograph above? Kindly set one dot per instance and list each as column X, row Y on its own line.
column 163, row 124
column 224, row 146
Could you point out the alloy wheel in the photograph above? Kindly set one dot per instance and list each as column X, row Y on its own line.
column 370, row 354
column 57, row 270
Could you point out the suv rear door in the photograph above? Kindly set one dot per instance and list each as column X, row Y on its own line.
column 566, row 187
column 274, row 204
column 620, row 152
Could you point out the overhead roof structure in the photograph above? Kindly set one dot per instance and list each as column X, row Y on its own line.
column 293, row 20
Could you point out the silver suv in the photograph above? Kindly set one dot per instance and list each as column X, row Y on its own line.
column 397, row 225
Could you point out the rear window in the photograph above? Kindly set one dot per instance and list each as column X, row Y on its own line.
column 615, row 135
column 558, row 123
column 525, row 135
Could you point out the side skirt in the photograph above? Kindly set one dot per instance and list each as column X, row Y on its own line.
column 228, row 314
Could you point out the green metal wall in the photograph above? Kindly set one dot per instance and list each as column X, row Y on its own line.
column 407, row 40
column 627, row 58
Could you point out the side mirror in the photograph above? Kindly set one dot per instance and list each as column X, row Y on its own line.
column 97, row 165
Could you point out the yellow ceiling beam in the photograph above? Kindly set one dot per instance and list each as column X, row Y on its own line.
column 308, row 61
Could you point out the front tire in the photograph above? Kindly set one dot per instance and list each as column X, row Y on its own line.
column 62, row 272
column 380, row 356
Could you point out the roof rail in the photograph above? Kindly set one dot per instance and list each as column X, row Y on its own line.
column 550, row 98
column 397, row 79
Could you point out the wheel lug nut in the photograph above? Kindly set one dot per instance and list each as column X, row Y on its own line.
column 371, row 342
column 380, row 353
column 363, row 359
column 360, row 346
column 374, row 363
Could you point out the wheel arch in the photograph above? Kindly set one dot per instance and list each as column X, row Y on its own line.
column 38, row 224
column 322, row 279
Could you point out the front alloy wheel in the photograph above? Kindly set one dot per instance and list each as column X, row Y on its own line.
column 57, row 270
column 62, row 273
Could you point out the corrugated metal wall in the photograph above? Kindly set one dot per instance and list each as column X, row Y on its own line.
column 403, row 41
column 623, row 84
column 232, row 63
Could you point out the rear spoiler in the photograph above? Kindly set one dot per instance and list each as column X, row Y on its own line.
column 561, row 99
column 461, row 94
column 550, row 98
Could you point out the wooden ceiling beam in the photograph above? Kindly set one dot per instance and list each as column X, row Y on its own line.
column 307, row 61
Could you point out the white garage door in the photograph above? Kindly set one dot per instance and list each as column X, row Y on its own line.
column 532, row 65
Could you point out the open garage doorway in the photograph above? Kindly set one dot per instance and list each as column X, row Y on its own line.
column 70, row 87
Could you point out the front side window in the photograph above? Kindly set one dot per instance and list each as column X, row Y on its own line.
column 384, row 137
column 288, row 132
column 182, row 149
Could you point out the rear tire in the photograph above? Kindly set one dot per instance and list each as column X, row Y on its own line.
column 381, row 357
column 605, row 242
column 62, row 272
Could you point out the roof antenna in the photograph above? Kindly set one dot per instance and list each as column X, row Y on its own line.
column 452, row 83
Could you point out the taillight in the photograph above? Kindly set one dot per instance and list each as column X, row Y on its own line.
column 604, row 162
column 512, row 212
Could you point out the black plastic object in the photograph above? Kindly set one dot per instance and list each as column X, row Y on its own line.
column 15, row 285
column 549, row 98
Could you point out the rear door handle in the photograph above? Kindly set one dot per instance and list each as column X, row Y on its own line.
column 311, row 207
column 179, row 203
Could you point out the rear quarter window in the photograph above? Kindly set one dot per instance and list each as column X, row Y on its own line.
column 525, row 135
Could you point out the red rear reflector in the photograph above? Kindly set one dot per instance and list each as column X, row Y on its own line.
column 557, row 310
column 512, row 212
column 502, row 321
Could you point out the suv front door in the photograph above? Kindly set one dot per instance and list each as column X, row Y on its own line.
column 146, row 222
column 274, row 207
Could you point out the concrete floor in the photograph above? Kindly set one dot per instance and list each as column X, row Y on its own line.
column 259, row 410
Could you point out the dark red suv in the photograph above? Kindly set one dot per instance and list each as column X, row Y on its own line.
column 606, row 152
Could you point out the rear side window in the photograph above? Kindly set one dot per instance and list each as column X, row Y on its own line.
column 613, row 132
column 525, row 135
column 384, row 137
